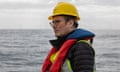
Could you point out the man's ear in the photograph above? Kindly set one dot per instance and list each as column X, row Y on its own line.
column 71, row 22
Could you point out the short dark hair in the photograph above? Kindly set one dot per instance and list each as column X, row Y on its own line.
column 69, row 17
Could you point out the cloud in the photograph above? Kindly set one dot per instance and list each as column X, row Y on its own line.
column 21, row 1
column 100, row 16
column 23, row 19
column 108, row 2
column 22, row 4
column 99, row 2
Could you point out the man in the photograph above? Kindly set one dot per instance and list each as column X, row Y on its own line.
column 72, row 50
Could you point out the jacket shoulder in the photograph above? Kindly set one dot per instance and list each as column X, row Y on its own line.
column 81, row 56
column 81, row 47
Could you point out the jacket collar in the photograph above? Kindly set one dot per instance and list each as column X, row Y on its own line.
column 80, row 34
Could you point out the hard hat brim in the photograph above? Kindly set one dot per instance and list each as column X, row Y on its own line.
column 51, row 17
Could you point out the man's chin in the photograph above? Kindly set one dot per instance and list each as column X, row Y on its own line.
column 57, row 35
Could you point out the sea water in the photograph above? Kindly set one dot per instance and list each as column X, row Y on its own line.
column 25, row 50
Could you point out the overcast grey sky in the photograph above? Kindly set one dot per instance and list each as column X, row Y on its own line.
column 33, row 14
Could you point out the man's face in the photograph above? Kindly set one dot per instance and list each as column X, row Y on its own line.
column 60, row 26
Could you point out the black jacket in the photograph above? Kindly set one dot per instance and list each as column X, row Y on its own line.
column 82, row 57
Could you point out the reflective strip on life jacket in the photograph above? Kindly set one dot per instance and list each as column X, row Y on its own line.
column 53, row 57
column 66, row 63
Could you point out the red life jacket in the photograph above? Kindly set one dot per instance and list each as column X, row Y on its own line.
column 56, row 65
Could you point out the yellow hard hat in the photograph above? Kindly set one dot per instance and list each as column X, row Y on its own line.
column 65, row 8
